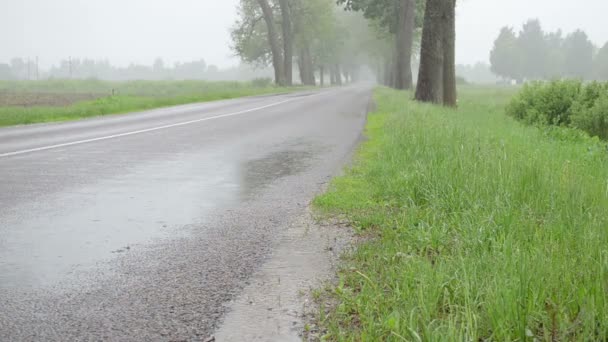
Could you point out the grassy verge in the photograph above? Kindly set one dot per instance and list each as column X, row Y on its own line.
column 484, row 229
column 132, row 96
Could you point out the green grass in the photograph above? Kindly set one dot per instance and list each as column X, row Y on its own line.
column 129, row 96
column 482, row 228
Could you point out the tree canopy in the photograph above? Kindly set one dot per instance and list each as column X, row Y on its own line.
column 333, row 36
column 534, row 54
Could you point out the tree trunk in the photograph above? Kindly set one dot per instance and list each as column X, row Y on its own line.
column 307, row 72
column 301, row 67
column 404, row 44
column 322, row 75
column 389, row 74
column 449, row 55
column 338, row 73
column 309, row 67
column 355, row 74
column 273, row 40
column 390, row 69
column 380, row 73
column 430, row 76
column 287, row 41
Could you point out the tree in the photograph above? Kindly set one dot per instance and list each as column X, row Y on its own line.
column 399, row 18
column 450, row 97
column 578, row 55
column 554, row 67
column 534, row 50
column 250, row 35
column 535, row 54
column 287, row 41
column 314, row 25
column 5, row 72
column 314, row 31
column 404, row 43
column 273, row 41
column 18, row 67
column 437, row 74
column 505, row 57
column 600, row 65
column 263, row 44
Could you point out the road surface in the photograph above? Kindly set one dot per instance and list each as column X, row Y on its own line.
column 144, row 226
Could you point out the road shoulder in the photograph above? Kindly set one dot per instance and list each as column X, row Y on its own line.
column 274, row 306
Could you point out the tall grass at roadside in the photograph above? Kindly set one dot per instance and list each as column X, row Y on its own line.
column 484, row 229
column 130, row 96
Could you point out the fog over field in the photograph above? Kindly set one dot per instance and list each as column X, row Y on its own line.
column 138, row 31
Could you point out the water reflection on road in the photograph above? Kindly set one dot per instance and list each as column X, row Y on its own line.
column 154, row 201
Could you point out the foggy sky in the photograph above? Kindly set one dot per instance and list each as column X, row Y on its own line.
column 126, row 31
column 122, row 31
column 480, row 21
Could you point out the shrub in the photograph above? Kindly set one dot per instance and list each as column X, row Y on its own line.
column 593, row 119
column 564, row 103
column 545, row 102
column 261, row 82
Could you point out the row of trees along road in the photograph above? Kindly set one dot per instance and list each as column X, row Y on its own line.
column 322, row 37
column 533, row 54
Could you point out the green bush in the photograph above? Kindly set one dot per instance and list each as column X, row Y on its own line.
column 547, row 103
column 261, row 82
column 593, row 119
column 564, row 103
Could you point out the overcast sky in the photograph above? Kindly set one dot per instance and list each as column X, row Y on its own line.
column 480, row 21
column 126, row 31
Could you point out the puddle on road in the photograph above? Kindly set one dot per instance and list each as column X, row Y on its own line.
column 81, row 229
column 259, row 173
column 78, row 229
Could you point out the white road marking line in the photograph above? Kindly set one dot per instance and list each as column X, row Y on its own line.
column 79, row 142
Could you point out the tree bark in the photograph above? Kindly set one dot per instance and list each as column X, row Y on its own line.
column 382, row 73
column 307, row 71
column 301, row 67
column 338, row 73
column 430, row 76
column 404, row 43
column 287, row 41
column 309, row 67
column 389, row 71
column 273, row 40
column 449, row 55
column 322, row 75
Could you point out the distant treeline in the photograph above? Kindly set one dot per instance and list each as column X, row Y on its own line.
column 27, row 69
column 478, row 73
column 533, row 54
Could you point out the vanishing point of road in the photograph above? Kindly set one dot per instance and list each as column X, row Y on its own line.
column 143, row 227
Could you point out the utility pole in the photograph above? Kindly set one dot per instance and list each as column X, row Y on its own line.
column 37, row 70
column 70, row 66
column 28, row 68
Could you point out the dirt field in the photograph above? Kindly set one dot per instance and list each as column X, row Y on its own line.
column 31, row 99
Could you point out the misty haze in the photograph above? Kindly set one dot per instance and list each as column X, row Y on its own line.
column 303, row 170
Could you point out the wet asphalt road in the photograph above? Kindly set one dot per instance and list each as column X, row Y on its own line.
column 144, row 226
